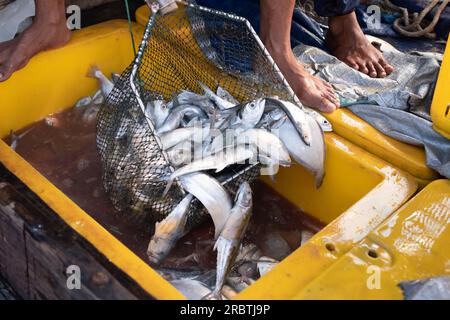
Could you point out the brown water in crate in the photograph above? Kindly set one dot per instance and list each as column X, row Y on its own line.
column 62, row 147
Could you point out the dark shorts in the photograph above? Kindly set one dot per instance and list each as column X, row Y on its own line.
column 304, row 29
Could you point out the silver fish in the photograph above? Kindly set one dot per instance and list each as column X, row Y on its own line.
column 160, row 112
column 267, row 143
column 212, row 195
column 105, row 84
column 297, row 116
column 174, row 118
column 90, row 113
column 306, row 235
column 270, row 119
column 221, row 103
column 169, row 231
column 98, row 98
column 174, row 137
column 224, row 94
column 250, row 114
column 16, row 138
column 218, row 161
column 180, row 154
column 321, row 120
column 191, row 289
column 115, row 77
column 311, row 157
column 266, row 264
column 83, row 102
column 188, row 97
column 229, row 241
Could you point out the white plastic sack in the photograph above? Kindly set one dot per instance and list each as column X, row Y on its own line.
column 15, row 17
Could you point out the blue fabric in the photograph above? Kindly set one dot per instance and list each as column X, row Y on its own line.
column 303, row 30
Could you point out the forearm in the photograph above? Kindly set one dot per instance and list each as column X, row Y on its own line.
column 275, row 30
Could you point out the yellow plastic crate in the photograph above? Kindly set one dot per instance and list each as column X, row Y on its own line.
column 412, row 244
column 440, row 108
column 359, row 190
column 406, row 157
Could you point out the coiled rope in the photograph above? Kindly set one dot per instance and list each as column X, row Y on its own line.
column 413, row 25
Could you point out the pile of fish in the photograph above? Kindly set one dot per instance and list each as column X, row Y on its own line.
column 200, row 134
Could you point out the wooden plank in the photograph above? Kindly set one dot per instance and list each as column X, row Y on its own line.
column 36, row 248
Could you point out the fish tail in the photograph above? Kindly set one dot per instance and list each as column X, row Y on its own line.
column 94, row 72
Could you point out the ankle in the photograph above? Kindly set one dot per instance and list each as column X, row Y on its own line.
column 340, row 24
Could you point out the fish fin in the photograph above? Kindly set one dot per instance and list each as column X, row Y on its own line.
column 319, row 178
column 93, row 71
column 221, row 167
column 168, row 186
column 205, row 88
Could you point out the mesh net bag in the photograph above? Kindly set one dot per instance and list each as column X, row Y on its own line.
column 178, row 50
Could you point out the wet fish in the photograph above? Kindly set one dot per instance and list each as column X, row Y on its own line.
column 160, row 112
column 91, row 113
column 218, row 161
column 191, row 289
column 105, row 84
column 174, row 137
column 83, row 102
column 188, row 97
column 297, row 116
column 321, row 120
column 265, row 265
column 311, row 157
column 16, row 138
column 98, row 98
column 212, row 195
column 221, row 103
column 435, row 288
column 115, row 77
column 224, row 94
column 168, row 231
column 267, row 143
column 174, row 118
column 306, row 235
column 250, row 114
column 270, row 119
column 229, row 241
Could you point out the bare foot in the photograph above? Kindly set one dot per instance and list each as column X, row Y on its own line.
column 312, row 91
column 347, row 42
column 43, row 34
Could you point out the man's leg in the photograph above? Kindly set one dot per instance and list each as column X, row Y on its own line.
column 276, row 19
column 346, row 40
column 48, row 31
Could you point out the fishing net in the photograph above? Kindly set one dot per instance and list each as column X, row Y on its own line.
column 178, row 50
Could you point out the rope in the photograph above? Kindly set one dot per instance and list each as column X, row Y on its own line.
column 130, row 25
column 411, row 26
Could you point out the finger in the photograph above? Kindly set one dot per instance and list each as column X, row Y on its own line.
column 372, row 72
column 380, row 70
